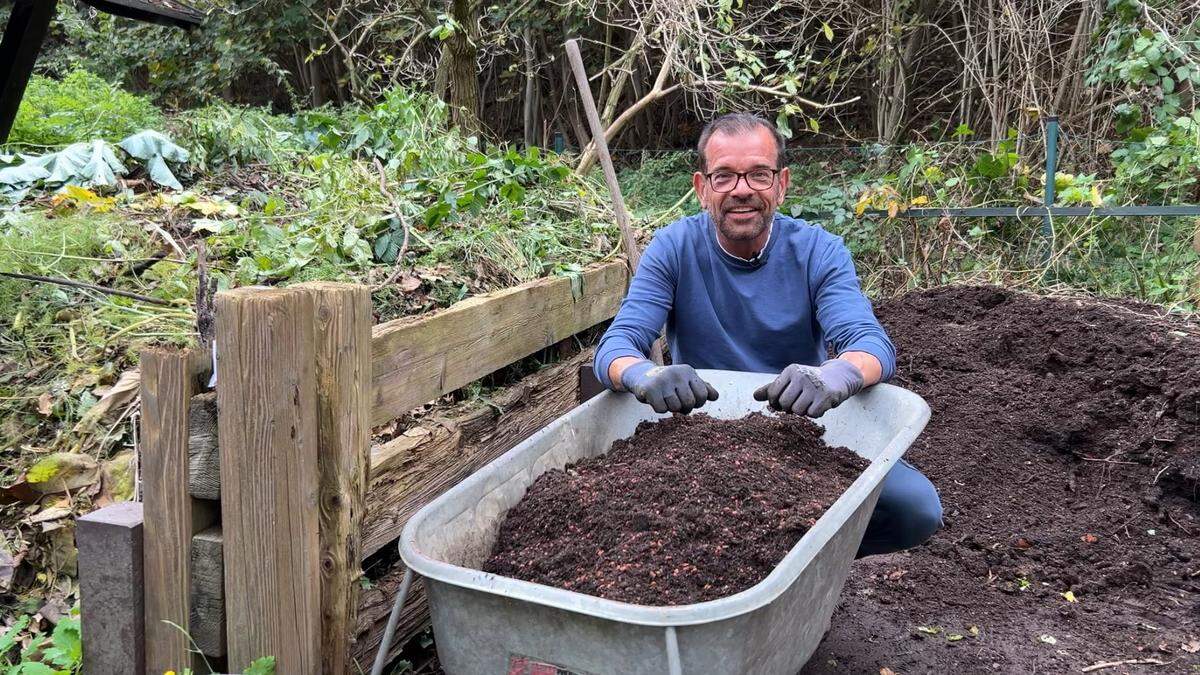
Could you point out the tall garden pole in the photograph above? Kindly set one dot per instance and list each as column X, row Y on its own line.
column 610, row 175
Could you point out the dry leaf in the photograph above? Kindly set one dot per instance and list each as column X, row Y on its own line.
column 59, row 472
column 45, row 404
column 1089, row 538
column 953, row 637
column 1191, row 647
column 1023, row 544
column 974, row 631
column 929, row 630
column 9, row 563
column 409, row 283
column 52, row 513
column 1070, row 596
column 1048, row 639
column 886, row 671
column 113, row 398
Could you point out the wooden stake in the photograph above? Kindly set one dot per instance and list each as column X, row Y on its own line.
column 171, row 515
column 343, row 347
column 267, row 431
column 628, row 242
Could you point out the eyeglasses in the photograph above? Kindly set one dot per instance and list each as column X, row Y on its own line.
column 726, row 181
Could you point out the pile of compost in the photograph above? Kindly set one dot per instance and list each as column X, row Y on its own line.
column 688, row 509
column 1065, row 443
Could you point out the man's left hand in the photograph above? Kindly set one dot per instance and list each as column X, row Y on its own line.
column 812, row 391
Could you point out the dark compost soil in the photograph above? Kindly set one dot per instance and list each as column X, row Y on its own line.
column 688, row 509
column 1065, row 443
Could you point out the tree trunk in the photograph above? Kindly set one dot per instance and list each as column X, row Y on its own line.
column 463, row 75
column 530, row 124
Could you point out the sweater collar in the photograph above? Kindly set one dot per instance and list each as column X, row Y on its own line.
column 733, row 260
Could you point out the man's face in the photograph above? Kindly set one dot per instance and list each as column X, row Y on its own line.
column 744, row 213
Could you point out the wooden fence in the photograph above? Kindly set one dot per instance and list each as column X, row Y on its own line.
column 261, row 502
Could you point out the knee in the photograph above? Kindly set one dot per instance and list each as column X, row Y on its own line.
column 920, row 521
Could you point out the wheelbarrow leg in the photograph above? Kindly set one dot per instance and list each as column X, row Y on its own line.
column 389, row 633
column 674, row 666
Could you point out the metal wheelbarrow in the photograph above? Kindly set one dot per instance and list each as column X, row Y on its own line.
column 484, row 623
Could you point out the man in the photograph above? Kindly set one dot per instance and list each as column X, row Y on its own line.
column 741, row 287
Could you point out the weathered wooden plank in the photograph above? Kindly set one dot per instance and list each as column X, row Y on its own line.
column 208, row 593
column 343, row 455
column 267, row 431
column 204, row 463
column 411, row 470
column 171, row 515
column 417, row 360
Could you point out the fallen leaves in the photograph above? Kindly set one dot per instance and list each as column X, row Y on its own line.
column 54, row 473
column 1089, row 538
column 112, row 399
column 1069, row 596
column 45, row 404
column 1048, row 639
column 1191, row 647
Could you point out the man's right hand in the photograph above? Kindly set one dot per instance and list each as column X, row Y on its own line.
column 675, row 388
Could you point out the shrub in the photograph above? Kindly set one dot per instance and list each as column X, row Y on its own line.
column 79, row 107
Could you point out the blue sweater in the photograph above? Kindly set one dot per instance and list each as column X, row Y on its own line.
column 757, row 316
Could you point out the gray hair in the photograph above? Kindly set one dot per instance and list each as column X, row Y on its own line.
column 738, row 123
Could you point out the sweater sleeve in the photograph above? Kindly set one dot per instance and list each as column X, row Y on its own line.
column 844, row 312
column 644, row 310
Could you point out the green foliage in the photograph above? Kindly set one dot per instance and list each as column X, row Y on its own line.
column 658, row 182
column 328, row 215
column 79, row 107
column 240, row 45
column 1161, row 124
column 261, row 666
column 60, row 653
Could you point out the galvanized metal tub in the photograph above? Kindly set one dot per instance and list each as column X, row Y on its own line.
column 484, row 623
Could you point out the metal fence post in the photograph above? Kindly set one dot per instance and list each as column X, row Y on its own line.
column 1051, row 166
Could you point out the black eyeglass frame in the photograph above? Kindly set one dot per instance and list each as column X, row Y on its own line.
column 741, row 175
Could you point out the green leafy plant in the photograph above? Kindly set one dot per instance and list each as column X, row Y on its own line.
column 60, row 653
column 79, row 107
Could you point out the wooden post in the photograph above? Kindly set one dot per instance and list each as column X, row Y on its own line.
column 171, row 515
column 111, row 584
column 27, row 25
column 267, row 431
column 343, row 364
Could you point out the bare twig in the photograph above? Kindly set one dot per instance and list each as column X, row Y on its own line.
column 1127, row 662
column 91, row 287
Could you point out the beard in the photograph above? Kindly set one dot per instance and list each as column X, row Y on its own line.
column 743, row 227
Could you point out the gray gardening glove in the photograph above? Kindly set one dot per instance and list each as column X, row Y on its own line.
column 676, row 388
column 805, row 390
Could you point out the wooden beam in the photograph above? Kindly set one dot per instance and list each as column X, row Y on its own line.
column 207, row 590
column 204, row 462
column 267, row 398
column 417, row 360
column 171, row 515
column 343, row 360
column 412, row 469
column 23, row 36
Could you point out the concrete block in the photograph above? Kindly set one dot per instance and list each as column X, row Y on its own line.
column 110, row 589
